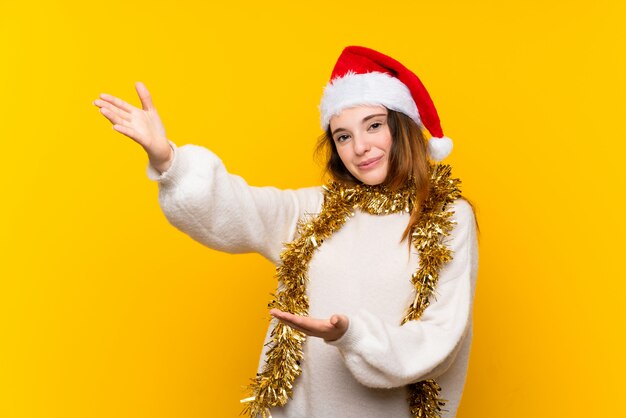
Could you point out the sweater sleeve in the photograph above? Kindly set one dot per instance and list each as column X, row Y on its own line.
column 220, row 210
column 384, row 355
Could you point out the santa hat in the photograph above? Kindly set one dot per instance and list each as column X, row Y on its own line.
column 363, row 76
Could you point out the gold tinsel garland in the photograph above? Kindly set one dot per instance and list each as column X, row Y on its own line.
column 274, row 385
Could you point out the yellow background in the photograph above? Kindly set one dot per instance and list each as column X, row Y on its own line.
column 106, row 310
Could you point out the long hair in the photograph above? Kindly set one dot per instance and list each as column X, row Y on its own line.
column 408, row 158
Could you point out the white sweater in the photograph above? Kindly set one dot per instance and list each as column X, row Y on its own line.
column 362, row 271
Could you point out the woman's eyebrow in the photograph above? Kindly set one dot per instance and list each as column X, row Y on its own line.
column 365, row 119
column 337, row 130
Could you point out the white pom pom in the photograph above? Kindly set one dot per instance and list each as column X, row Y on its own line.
column 439, row 148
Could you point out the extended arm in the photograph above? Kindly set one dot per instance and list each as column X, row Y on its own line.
column 199, row 197
column 220, row 210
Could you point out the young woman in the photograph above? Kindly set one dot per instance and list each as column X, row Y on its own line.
column 372, row 315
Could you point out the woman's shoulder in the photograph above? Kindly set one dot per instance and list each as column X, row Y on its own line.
column 463, row 212
column 312, row 197
column 462, row 207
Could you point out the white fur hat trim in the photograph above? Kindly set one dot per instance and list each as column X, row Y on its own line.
column 373, row 88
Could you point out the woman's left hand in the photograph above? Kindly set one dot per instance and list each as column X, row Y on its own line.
column 328, row 329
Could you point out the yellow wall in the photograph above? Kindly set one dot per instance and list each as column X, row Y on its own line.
column 108, row 311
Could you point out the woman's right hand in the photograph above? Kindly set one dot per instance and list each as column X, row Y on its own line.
column 143, row 126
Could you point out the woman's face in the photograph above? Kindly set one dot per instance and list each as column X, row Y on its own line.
column 363, row 140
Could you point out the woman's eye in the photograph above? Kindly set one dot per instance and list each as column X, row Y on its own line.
column 376, row 125
column 341, row 138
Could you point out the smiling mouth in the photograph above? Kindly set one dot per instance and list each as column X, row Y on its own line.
column 370, row 162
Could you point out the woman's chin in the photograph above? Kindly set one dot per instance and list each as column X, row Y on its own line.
column 371, row 178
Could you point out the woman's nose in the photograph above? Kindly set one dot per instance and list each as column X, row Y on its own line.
column 361, row 145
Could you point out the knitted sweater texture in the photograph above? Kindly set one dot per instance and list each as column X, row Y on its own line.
column 362, row 271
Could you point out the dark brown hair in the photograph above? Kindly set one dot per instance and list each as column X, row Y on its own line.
column 408, row 158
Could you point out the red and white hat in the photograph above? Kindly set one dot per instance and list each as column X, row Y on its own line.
column 363, row 76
